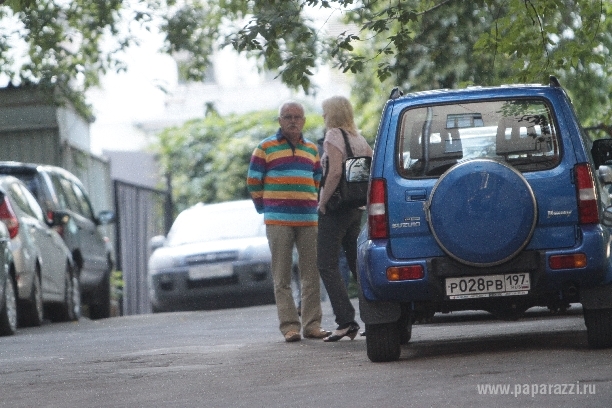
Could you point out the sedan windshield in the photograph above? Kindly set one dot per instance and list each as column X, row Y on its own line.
column 205, row 225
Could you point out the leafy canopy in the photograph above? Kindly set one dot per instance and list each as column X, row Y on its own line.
column 68, row 44
column 483, row 43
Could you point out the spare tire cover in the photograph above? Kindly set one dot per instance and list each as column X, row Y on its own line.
column 482, row 212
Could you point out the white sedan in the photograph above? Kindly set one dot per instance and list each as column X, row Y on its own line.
column 215, row 255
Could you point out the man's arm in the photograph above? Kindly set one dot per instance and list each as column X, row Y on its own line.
column 255, row 178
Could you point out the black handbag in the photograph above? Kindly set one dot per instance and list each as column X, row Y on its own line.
column 352, row 189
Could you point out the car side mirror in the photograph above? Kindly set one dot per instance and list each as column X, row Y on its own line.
column 156, row 242
column 106, row 217
column 57, row 218
column 604, row 172
column 607, row 216
column 602, row 152
column 357, row 169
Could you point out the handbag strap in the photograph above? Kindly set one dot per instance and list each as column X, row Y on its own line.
column 349, row 151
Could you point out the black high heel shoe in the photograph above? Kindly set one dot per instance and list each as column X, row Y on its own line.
column 349, row 331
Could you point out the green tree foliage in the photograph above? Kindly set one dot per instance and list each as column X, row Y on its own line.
column 66, row 45
column 431, row 43
column 440, row 54
column 568, row 38
column 418, row 44
column 487, row 43
column 208, row 158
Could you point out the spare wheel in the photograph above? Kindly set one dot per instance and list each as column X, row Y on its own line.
column 482, row 212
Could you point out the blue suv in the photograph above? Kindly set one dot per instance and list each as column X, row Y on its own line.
column 484, row 199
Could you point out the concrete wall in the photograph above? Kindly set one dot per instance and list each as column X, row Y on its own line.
column 33, row 130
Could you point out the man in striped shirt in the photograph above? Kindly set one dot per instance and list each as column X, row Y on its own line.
column 283, row 180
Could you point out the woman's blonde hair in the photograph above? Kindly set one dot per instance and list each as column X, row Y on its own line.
column 338, row 113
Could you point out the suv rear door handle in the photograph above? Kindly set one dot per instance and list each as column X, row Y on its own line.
column 416, row 195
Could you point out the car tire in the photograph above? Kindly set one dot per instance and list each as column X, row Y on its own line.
column 76, row 297
column 100, row 308
column 8, row 314
column 383, row 342
column 70, row 309
column 599, row 327
column 32, row 311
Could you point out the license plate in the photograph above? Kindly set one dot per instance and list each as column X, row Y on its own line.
column 488, row 286
column 216, row 270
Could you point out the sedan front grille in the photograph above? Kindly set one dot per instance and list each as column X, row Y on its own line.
column 211, row 257
column 204, row 283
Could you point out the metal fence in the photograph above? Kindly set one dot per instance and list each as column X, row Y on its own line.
column 142, row 213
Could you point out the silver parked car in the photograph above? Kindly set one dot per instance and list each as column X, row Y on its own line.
column 58, row 190
column 8, row 301
column 214, row 256
column 47, row 284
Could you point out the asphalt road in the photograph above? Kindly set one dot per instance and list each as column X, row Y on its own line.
column 237, row 358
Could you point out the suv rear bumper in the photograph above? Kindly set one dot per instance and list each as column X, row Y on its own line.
column 547, row 285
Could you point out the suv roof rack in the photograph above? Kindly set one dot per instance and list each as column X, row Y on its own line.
column 395, row 93
column 554, row 82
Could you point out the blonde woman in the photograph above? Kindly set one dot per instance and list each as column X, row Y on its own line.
column 340, row 228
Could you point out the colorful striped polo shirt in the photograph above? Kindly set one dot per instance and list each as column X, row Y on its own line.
column 283, row 181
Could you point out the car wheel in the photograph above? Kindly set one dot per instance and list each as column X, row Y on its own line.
column 383, row 342
column 8, row 315
column 33, row 311
column 482, row 212
column 101, row 306
column 76, row 298
column 70, row 309
column 599, row 327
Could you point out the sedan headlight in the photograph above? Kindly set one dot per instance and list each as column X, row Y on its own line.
column 257, row 252
column 159, row 262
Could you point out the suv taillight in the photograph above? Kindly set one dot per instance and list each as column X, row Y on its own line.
column 377, row 210
column 588, row 212
column 7, row 216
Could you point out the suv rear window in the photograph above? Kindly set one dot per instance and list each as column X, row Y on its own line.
column 519, row 132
